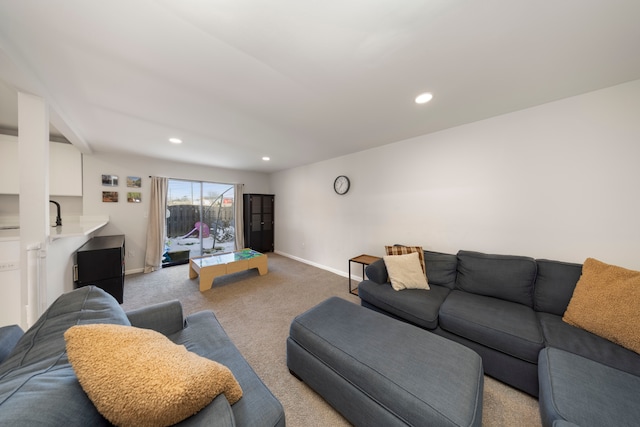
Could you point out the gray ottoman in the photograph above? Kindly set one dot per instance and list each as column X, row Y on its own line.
column 378, row 371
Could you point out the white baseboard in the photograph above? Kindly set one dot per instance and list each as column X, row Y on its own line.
column 133, row 271
column 323, row 267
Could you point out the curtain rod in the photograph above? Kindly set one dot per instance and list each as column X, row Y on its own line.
column 211, row 182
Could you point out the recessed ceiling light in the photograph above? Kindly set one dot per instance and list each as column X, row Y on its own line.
column 266, row 159
column 423, row 98
column 175, row 140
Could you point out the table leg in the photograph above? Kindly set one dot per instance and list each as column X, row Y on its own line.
column 260, row 263
column 193, row 273
column 209, row 273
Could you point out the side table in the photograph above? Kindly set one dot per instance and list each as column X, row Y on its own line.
column 364, row 260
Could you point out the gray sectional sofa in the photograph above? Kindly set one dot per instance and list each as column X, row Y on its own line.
column 509, row 310
column 39, row 387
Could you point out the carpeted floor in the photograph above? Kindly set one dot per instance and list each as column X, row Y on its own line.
column 256, row 312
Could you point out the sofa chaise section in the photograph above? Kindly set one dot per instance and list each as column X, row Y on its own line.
column 586, row 393
column 584, row 379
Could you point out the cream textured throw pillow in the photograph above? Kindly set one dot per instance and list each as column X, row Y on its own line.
column 606, row 302
column 403, row 250
column 138, row 377
column 405, row 272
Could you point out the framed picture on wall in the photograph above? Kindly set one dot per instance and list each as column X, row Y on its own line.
column 134, row 197
column 110, row 180
column 110, row 196
column 134, row 181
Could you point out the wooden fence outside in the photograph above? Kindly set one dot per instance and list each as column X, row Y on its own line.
column 182, row 218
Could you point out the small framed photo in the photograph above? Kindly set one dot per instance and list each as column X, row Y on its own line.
column 110, row 180
column 134, row 181
column 110, row 196
column 134, row 197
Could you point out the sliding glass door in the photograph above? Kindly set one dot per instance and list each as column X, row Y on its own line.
column 200, row 220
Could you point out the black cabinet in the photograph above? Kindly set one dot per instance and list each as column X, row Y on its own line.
column 100, row 262
column 258, row 221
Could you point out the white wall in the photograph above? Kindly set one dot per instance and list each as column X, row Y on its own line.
column 558, row 181
column 130, row 219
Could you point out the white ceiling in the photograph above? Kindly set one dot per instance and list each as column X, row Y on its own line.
column 298, row 80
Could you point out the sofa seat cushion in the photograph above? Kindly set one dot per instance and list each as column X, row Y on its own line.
column 204, row 336
column 560, row 334
column 585, row 392
column 504, row 326
column 37, row 373
column 416, row 306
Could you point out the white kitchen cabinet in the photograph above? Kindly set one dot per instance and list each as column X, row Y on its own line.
column 65, row 168
column 9, row 165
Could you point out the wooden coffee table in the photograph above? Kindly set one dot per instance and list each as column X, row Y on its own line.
column 211, row 266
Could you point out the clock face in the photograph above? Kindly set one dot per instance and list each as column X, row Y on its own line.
column 341, row 184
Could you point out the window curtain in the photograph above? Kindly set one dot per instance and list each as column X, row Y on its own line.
column 157, row 226
column 239, row 216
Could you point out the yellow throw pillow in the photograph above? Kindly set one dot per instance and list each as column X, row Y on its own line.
column 405, row 272
column 138, row 377
column 403, row 250
column 606, row 302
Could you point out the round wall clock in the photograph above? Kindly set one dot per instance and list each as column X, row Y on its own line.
column 341, row 184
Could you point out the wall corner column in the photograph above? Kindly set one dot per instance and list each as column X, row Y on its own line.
column 33, row 141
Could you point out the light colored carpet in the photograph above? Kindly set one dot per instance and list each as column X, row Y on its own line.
column 256, row 312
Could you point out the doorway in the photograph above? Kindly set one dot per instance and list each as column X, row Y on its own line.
column 200, row 220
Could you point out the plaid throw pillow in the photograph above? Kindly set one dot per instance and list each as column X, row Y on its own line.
column 404, row 250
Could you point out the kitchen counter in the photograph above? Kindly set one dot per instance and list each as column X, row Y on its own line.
column 71, row 227
column 81, row 226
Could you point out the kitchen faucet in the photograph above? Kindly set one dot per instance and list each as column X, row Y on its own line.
column 58, row 218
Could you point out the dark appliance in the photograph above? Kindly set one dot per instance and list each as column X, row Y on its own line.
column 100, row 262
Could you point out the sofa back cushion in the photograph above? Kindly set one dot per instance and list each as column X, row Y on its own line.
column 37, row 384
column 507, row 277
column 441, row 268
column 554, row 286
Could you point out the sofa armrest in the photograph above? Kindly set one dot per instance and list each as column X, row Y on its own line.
column 377, row 272
column 9, row 336
column 218, row 413
column 165, row 317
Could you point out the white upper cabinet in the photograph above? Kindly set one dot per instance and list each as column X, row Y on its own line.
column 65, row 168
column 9, row 165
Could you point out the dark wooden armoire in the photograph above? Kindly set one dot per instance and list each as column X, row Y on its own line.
column 258, row 221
